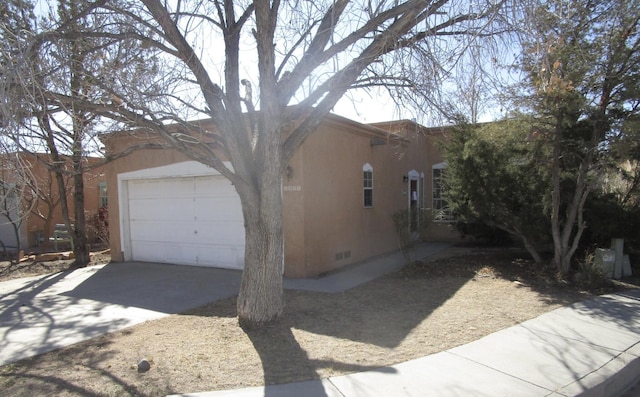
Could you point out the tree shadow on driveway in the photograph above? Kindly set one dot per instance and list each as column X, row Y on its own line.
column 35, row 317
column 162, row 288
column 45, row 313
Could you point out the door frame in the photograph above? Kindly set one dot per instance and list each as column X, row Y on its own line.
column 414, row 194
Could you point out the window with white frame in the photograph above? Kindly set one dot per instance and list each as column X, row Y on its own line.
column 441, row 210
column 367, row 173
column 102, row 194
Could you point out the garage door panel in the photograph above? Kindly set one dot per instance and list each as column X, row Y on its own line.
column 152, row 209
column 159, row 188
column 219, row 233
column 151, row 251
column 191, row 221
column 197, row 255
column 161, row 231
column 209, row 256
column 214, row 186
column 206, row 209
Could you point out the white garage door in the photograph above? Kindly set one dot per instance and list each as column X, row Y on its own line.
column 190, row 221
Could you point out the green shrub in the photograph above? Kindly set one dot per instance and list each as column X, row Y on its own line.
column 484, row 233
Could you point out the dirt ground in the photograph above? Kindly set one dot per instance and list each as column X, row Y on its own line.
column 424, row 309
column 34, row 265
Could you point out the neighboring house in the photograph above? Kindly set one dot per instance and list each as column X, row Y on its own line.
column 39, row 207
column 340, row 190
column 11, row 231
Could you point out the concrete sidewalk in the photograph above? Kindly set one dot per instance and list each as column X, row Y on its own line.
column 590, row 348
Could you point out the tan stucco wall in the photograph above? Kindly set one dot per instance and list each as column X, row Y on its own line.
column 325, row 223
column 294, row 218
column 338, row 230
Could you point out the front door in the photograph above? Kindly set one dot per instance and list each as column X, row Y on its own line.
column 413, row 206
column 414, row 189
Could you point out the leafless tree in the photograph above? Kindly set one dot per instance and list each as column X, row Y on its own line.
column 15, row 178
column 286, row 64
column 52, row 53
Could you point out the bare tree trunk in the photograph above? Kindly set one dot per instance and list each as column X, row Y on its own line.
column 42, row 195
column 79, row 88
column 516, row 231
column 573, row 227
column 45, row 195
column 48, row 218
column 531, row 250
column 559, row 257
column 57, row 168
column 16, row 224
column 526, row 241
column 260, row 298
column 567, row 232
column 62, row 189
column 80, row 249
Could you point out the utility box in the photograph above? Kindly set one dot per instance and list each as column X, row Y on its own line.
column 605, row 259
column 613, row 262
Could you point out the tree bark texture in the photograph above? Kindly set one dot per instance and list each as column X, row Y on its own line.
column 79, row 232
column 559, row 256
column 260, row 297
column 531, row 249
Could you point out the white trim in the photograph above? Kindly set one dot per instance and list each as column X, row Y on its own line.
column 183, row 169
column 103, row 194
column 448, row 216
column 441, row 165
column 413, row 175
column 367, row 168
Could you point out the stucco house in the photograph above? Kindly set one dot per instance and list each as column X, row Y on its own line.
column 35, row 208
column 340, row 190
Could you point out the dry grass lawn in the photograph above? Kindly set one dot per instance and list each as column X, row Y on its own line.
column 424, row 309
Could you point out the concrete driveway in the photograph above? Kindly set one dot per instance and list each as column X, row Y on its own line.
column 40, row 314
